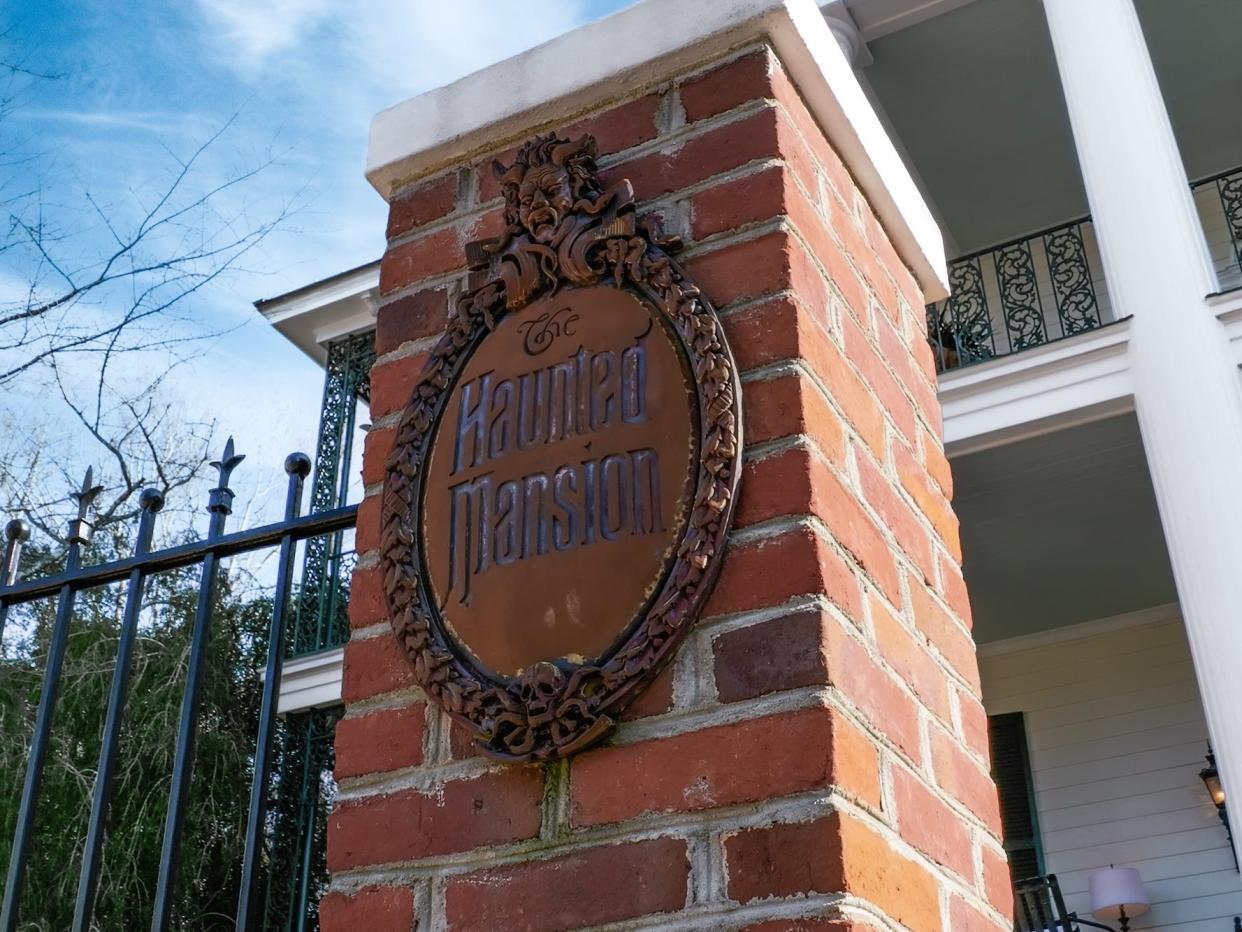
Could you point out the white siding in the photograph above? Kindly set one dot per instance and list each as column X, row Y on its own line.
column 1117, row 737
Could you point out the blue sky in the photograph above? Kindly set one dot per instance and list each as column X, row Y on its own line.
column 144, row 82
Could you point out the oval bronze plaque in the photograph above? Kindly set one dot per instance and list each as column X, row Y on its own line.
column 564, row 476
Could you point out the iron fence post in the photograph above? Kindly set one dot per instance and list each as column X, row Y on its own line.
column 152, row 501
column 16, row 533
column 220, row 505
column 80, row 530
column 298, row 467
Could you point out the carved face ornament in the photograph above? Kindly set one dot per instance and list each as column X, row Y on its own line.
column 544, row 197
column 564, row 476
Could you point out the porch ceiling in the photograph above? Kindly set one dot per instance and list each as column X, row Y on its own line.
column 975, row 100
column 1060, row 529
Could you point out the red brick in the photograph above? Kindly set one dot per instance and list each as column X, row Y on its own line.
column 775, row 655
column 485, row 173
column 837, row 854
column 974, row 725
column 936, row 463
column 462, row 744
column 943, row 632
column 745, row 270
column 412, row 317
column 875, row 373
column 740, row 202
column 905, row 653
column 722, row 766
column 494, row 809
column 367, row 535
column 367, row 603
column 894, row 350
column 762, row 334
column 655, row 699
column 953, row 588
column 380, row 741
column 693, row 160
column 927, row 823
column 781, row 484
column 392, row 384
column 431, row 200
column 966, row 917
column 375, row 451
column 374, row 666
column 929, row 499
column 585, row 888
column 430, row 255
column 856, row 401
column 872, row 690
column 728, row 86
column 774, row 408
column 858, row 534
column 997, row 880
column 376, row 909
column 911, row 535
column 773, row 570
column 621, row 126
column 965, row 779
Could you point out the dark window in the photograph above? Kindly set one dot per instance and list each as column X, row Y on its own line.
column 1011, row 769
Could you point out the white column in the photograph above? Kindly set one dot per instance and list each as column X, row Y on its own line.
column 1187, row 389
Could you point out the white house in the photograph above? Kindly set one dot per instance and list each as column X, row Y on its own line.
column 1084, row 161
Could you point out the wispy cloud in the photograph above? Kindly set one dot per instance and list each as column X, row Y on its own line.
column 256, row 32
column 150, row 121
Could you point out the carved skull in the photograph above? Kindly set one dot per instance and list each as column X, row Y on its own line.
column 541, row 684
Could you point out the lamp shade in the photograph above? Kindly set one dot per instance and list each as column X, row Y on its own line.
column 1115, row 888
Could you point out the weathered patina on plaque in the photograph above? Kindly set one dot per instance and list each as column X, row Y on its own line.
column 565, row 473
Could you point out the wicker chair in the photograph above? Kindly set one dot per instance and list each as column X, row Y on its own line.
column 1039, row 907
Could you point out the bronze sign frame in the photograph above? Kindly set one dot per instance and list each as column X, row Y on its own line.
column 580, row 233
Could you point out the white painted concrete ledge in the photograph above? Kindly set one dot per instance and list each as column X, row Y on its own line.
column 639, row 47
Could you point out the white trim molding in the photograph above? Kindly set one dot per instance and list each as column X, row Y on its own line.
column 312, row 681
column 639, row 47
column 1157, row 614
column 327, row 310
column 1047, row 388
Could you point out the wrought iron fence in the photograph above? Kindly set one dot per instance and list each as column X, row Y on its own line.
column 1218, row 199
column 322, row 621
column 1040, row 288
column 268, row 834
column 1020, row 294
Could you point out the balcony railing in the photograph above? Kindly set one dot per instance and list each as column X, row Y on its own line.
column 1050, row 285
column 1218, row 199
column 1018, row 295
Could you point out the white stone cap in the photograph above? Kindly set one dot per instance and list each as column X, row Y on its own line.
column 635, row 48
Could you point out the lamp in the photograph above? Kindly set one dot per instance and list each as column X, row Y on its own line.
column 1211, row 779
column 1117, row 893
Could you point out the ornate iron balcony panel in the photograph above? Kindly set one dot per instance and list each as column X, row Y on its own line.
column 1016, row 296
column 321, row 620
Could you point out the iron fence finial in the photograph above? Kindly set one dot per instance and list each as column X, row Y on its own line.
column 298, row 464
column 81, row 528
column 18, row 530
column 221, row 499
column 152, row 499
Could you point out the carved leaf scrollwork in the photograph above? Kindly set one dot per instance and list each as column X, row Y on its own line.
column 563, row 227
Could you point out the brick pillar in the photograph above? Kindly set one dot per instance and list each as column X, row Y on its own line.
column 816, row 756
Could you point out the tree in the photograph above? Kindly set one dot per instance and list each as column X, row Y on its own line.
column 214, row 833
column 101, row 276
